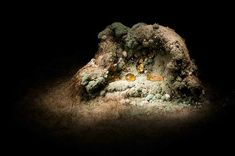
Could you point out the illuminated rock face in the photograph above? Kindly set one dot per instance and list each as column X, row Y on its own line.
column 145, row 61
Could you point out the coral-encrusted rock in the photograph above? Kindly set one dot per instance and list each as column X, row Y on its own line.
column 155, row 56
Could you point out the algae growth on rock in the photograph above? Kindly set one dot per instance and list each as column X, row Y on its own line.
column 144, row 63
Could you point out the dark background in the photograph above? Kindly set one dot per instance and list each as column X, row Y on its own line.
column 50, row 41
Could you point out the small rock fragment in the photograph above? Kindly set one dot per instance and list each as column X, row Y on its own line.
column 165, row 97
column 102, row 93
column 149, row 97
column 124, row 54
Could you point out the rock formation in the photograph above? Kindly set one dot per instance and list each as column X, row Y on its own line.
column 145, row 63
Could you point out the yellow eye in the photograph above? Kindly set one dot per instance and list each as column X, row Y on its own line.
column 140, row 66
column 130, row 77
column 154, row 77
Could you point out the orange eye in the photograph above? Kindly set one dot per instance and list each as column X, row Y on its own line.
column 154, row 77
column 130, row 77
column 140, row 66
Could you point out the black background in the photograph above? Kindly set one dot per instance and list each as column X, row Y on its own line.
column 49, row 40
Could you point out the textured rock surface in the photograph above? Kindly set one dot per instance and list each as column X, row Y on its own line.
column 144, row 63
